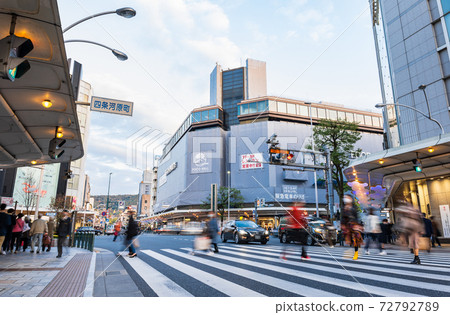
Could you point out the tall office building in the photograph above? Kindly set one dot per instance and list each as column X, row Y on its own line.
column 230, row 87
column 412, row 41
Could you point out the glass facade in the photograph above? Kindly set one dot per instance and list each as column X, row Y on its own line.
column 232, row 93
column 303, row 110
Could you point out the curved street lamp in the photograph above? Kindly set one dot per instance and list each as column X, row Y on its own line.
column 119, row 55
column 381, row 105
column 124, row 12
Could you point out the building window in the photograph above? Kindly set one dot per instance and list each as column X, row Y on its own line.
column 252, row 107
column 349, row 117
column 445, row 6
column 262, row 106
column 321, row 113
column 281, row 107
column 341, row 116
column 272, row 106
column 243, row 109
column 205, row 115
column 302, row 110
column 368, row 120
column 313, row 112
column 196, row 117
column 213, row 114
column 359, row 119
column 332, row 114
column 291, row 109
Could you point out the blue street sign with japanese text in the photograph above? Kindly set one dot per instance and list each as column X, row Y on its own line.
column 101, row 104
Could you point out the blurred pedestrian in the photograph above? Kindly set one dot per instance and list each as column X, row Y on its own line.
column 38, row 228
column 428, row 230
column 17, row 232
column 63, row 230
column 25, row 239
column 117, row 228
column 49, row 238
column 373, row 230
column 5, row 222
column 297, row 224
column 212, row 228
column 132, row 232
column 436, row 233
column 410, row 225
column 351, row 225
column 384, row 235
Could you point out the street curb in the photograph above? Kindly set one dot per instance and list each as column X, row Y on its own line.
column 89, row 290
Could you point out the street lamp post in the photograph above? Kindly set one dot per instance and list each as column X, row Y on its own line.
column 124, row 12
column 315, row 172
column 228, row 199
column 119, row 55
column 381, row 105
column 107, row 198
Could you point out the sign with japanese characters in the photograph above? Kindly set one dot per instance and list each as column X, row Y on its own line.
column 101, row 104
column 201, row 163
column 251, row 161
column 445, row 218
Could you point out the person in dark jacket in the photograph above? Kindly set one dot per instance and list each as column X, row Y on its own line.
column 132, row 232
column 212, row 228
column 428, row 228
column 436, row 233
column 64, row 229
column 350, row 224
column 7, row 244
column 5, row 222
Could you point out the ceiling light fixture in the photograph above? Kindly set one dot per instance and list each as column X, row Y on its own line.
column 381, row 161
column 33, row 162
column 47, row 103
column 431, row 149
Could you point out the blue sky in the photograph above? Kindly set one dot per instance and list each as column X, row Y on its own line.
column 316, row 50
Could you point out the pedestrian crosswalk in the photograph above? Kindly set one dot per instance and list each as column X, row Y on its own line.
column 245, row 270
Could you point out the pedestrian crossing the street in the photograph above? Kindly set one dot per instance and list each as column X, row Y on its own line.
column 246, row 270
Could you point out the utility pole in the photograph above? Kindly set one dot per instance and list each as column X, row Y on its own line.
column 107, row 200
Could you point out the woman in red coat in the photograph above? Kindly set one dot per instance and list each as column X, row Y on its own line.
column 296, row 221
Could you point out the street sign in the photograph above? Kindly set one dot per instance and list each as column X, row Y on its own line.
column 103, row 213
column 107, row 105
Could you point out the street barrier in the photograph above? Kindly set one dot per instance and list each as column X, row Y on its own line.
column 84, row 240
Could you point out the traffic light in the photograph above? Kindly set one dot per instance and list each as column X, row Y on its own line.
column 12, row 50
column 54, row 149
column 417, row 163
column 68, row 175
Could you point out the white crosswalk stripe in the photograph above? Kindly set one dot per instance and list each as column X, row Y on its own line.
column 218, row 283
column 247, row 270
column 158, row 282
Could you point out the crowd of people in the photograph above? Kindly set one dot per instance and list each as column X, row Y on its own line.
column 18, row 232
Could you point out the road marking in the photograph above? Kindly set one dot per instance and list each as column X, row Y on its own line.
column 267, row 280
column 315, row 277
column 365, row 274
column 158, row 282
column 225, row 286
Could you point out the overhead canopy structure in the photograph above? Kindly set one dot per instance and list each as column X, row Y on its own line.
column 26, row 126
column 397, row 164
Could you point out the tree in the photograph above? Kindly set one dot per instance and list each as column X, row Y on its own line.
column 236, row 200
column 340, row 137
column 28, row 194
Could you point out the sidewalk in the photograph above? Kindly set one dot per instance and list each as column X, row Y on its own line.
column 77, row 273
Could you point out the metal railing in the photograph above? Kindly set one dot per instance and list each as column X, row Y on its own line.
column 84, row 240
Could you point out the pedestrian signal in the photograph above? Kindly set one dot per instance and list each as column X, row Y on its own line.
column 54, row 148
column 12, row 50
column 417, row 163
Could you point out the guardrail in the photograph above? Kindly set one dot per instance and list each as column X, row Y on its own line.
column 84, row 240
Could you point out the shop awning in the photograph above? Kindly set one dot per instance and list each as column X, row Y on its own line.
column 26, row 126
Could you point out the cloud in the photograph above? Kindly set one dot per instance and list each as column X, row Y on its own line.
column 220, row 49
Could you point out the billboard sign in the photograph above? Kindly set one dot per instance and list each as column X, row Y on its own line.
column 107, row 105
column 251, row 161
column 445, row 218
column 8, row 201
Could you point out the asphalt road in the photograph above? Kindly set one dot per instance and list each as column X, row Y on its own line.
column 164, row 268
